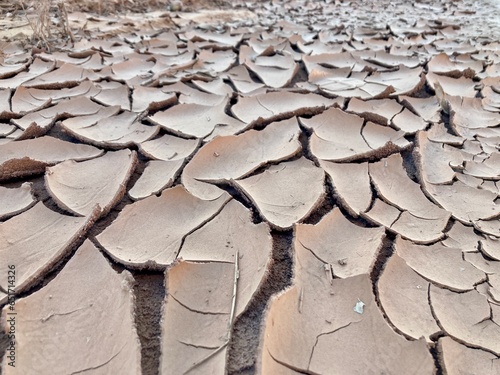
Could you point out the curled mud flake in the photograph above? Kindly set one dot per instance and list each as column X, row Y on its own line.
column 78, row 186
column 490, row 246
column 231, row 157
column 275, row 71
column 442, row 64
column 169, row 148
column 346, row 175
column 462, row 86
column 151, row 98
column 404, row 298
column 469, row 119
column 114, row 132
column 118, row 96
column 37, row 68
column 408, row 122
column 457, row 359
column 462, row 237
column 240, row 78
column 13, row 201
column 38, row 123
column 427, row 108
column 278, row 105
column 218, row 240
column 442, row 265
column 36, row 240
column 435, row 161
column 23, row 101
column 195, row 120
column 339, row 136
column 381, row 111
column 285, row 193
column 330, row 330
column 157, row 176
column 67, row 317
column 404, row 81
column 31, row 156
column 213, row 285
column 395, row 187
column 68, row 75
column 161, row 223
column 348, row 248
column 466, row 317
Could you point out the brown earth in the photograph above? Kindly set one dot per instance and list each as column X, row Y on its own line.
column 325, row 164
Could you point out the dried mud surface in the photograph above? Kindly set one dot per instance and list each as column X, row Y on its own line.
column 275, row 187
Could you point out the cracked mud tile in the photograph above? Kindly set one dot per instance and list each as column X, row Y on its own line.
column 275, row 71
column 189, row 95
column 67, row 75
column 36, row 240
column 169, row 148
column 442, row 265
column 344, row 177
column 149, row 232
column 325, row 316
column 458, row 359
column 39, row 122
column 443, row 65
column 285, row 193
column 404, row 298
column 31, row 156
column 197, row 317
column 225, row 237
column 464, row 87
column 394, row 186
column 67, row 326
column 151, row 98
column 339, row 136
column 23, row 101
column 231, row 157
column 38, row 96
column 492, row 270
column 112, row 94
column 381, row 111
column 467, row 317
column 240, row 78
column 118, row 131
column 465, row 203
column 37, row 68
column 157, row 176
column 462, row 237
column 274, row 106
column 213, row 284
column 346, row 248
column 427, row 108
column 404, row 223
column 215, row 62
column 435, row 162
column 404, row 81
column 78, row 186
column 14, row 201
column 196, row 120
column 345, row 83
column 468, row 118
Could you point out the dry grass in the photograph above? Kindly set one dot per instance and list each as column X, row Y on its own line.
column 49, row 21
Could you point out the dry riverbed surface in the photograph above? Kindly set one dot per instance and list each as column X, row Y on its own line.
column 285, row 187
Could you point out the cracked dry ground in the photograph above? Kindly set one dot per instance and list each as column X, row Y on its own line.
column 292, row 191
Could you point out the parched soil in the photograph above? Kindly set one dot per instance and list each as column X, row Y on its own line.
column 215, row 187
